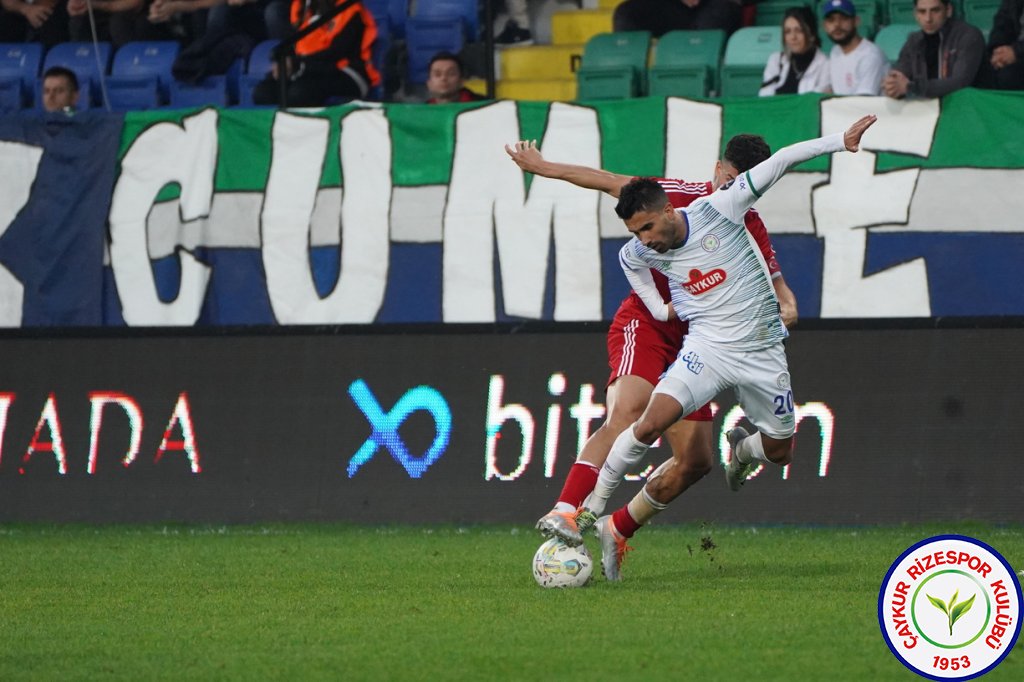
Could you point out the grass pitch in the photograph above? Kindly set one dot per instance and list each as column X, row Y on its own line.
column 340, row 602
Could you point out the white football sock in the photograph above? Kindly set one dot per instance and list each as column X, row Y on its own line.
column 751, row 448
column 625, row 453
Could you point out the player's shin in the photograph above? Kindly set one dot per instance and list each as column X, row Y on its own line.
column 626, row 453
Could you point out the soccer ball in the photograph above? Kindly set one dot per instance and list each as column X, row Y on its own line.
column 556, row 564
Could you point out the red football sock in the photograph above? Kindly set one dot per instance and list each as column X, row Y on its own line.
column 624, row 522
column 579, row 483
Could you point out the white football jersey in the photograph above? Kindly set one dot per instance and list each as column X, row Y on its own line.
column 718, row 278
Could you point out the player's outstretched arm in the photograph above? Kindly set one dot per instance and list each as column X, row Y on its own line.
column 750, row 186
column 528, row 157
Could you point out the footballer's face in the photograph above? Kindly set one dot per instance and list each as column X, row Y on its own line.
column 659, row 229
column 725, row 173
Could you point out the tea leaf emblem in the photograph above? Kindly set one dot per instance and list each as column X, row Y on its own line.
column 953, row 611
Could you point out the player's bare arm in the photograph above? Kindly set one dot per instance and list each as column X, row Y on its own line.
column 787, row 301
column 528, row 157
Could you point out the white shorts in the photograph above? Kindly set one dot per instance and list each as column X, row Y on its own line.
column 760, row 378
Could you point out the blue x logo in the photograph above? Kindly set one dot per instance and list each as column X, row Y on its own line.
column 385, row 427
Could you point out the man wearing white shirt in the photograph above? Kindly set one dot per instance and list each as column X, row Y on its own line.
column 856, row 65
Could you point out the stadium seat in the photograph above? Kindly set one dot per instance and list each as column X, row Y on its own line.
column 686, row 63
column 133, row 93
column 140, row 77
column 259, row 65
column 770, row 12
column 11, row 99
column 746, row 55
column 891, row 39
column 980, row 13
column 19, row 72
column 211, row 91
column 900, row 12
column 466, row 10
column 576, row 27
column 540, row 61
column 614, row 66
column 88, row 64
column 425, row 37
column 398, row 13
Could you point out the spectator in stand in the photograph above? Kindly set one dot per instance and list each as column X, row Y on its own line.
column 517, row 28
column 661, row 16
column 801, row 66
column 231, row 30
column 1003, row 66
column 40, row 21
column 941, row 58
column 117, row 21
column 856, row 65
column 332, row 62
column 261, row 18
column 60, row 90
column 446, row 80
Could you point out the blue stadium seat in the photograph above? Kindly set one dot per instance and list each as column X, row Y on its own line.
column 87, row 63
column 19, row 72
column 11, row 99
column 260, row 61
column 133, row 93
column 466, row 10
column 142, row 66
column 425, row 37
column 211, row 91
column 398, row 14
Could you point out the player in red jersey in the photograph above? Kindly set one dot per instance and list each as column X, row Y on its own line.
column 640, row 348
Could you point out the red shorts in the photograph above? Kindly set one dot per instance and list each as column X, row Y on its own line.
column 642, row 346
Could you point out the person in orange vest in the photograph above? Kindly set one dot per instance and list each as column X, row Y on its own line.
column 332, row 62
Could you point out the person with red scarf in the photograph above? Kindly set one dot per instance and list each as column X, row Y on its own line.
column 332, row 62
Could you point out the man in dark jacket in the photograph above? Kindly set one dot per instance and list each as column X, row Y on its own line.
column 940, row 58
column 1003, row 66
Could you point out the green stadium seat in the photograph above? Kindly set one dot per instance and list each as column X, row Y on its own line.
column 614, row 66
column 892, row 37
column 900, row 12
column 770, row 12
column 686, row 63
column 980, row 13
column 746, row 55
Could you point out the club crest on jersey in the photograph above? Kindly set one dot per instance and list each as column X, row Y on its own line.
column 710, row 243
column 701, row 282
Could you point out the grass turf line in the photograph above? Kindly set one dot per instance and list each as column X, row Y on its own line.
column 357, row 603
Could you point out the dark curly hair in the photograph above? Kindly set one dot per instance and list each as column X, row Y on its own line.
column 746, row 151
column 640, row 194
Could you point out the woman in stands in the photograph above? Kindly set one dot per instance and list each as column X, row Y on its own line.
column 331, row 63
column 801, row 66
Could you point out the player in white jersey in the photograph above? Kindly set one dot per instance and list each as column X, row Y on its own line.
column 719, row 282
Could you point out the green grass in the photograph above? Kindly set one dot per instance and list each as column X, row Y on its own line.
column 354, row 603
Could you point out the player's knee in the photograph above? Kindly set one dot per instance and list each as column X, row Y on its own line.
column 646, row 431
